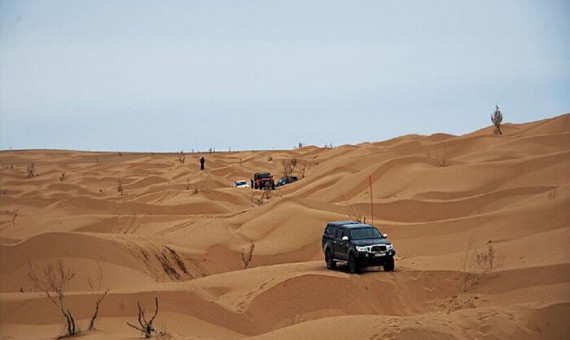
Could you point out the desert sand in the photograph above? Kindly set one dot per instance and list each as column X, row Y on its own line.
column 178, row 234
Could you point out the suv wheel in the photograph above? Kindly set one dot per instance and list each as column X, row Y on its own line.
column 389, row 264
column 329, row 260
column 352, row 265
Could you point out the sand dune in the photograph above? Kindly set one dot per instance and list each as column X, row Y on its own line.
column 154, row 225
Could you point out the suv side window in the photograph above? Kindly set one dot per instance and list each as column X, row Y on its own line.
column 329, row 230
column 339, row 232
column 346, row 233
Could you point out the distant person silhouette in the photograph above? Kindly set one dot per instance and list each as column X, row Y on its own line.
column 202, row 161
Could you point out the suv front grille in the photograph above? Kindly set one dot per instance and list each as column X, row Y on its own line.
column 376, row 249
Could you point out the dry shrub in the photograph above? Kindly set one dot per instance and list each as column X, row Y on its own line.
column 247, row 256
column 288, row 167
column 31, row 170
column 497, row 119
column 265, row 196
column 13, row 215
column 477, row 265
column 63, row 177
column 181, row 157
column 54, row 282
column 120, row 188
column 145, row 326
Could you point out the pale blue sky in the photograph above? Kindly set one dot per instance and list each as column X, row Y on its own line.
column 182, row 75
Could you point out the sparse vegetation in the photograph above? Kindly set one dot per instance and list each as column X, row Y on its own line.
column 497, row 119
column 351, row 212
column 31, row 170
column 293, row 317
column 300, row 145
column 54, row 283
column 246, row 256
column 98, row 294
column 14, row 213
column 303, row 166
column 181, row 157
column 269, row 158
column 120, row 188
column 265, row 196
column 63, row 177
column 477, row 265
column 439, row 157
column 289, row 166
column 551, row 194
column 145, row 326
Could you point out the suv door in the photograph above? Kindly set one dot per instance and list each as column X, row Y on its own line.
column 336, row 242
column 343, row 246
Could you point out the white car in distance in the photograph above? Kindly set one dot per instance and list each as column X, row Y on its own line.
column 241, row 184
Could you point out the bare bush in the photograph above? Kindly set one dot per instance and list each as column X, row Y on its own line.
column 265, row 196
column 269, row 158
column 63, row 177
column 288, row 167
column 293, row 317
column 303, row 166
column 145, row 326
column 98, row 294
column 247, row 256
column 54, row 282
column 181, row 157
column 497, row 119
column 13, row 215
column 31, row 170
column 120, row 188
column 477, row 265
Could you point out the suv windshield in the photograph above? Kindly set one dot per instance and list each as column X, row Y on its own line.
column 364, row 233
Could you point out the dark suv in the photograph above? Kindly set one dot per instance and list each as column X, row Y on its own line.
column 359, row 245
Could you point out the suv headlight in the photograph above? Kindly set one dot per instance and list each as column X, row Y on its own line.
column 361, row 248
column 389, row 247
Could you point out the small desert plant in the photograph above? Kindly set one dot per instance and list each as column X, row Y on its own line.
column 120, row 188
column 300, row 145
column 352, row 214
column 477, row 265
column 63, row 177
column 551, row 194
column 98, row 294
column 247, row 256
column 293, row 317
column 289, row 166
column 181, row 157
column 497, row 119
column 14, row 214
column 269, row 158
column 303, row 165
column 31, row 170
column 54, row 282
column 265, row 196
column 146, row 327
column 440, row 158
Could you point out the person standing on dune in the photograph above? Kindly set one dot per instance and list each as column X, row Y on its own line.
column 202, row 161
